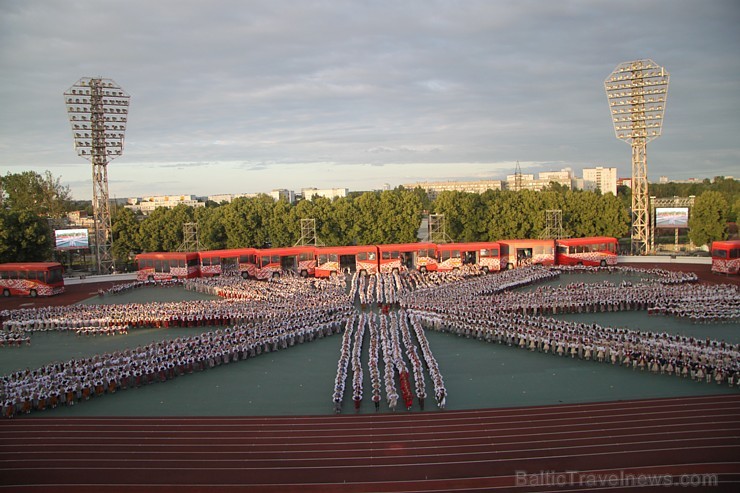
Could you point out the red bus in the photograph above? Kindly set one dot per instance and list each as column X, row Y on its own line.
column 31, row 279
column 516, row 253
column 272, row 262
column 597, row 250
column 163, row 266
column 485, row 254
column 330, row 261
column 726, row 257
column 239, row 260
column 407, row 256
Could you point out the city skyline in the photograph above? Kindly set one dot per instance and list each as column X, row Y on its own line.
column 240, row 97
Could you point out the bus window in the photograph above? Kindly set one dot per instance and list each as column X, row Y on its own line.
column 305, row 256
column 395, row 254
column 720, row 253
column 332, row 257
column 265, row 260
column 362, row 256
column 275, row 259
column 323, row 259
column 5, row 274
column 386, row 255
column 55, row 275
column 735, row 253
column 371, row 255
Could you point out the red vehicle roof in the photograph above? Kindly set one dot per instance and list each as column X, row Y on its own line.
column 30, row 265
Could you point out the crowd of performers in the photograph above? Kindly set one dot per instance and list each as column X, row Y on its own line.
column 513, row 318
column 390, row 335
column 249, row 328
column 254, row 317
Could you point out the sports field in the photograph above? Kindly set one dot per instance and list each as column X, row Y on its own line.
column 299, row 380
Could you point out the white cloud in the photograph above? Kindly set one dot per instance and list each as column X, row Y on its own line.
column 416, row 85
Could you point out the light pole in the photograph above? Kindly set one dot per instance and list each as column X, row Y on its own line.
column 637, row 93
column 98, row 113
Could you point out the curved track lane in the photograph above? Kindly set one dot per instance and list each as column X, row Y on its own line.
column 602, row 446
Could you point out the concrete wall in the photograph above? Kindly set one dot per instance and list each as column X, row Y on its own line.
column 663, row 259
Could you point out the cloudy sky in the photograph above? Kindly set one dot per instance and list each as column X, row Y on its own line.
column 248, row 96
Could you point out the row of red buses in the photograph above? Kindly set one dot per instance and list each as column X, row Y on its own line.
column 31, row 279
column 308, row 261
column 726, row 257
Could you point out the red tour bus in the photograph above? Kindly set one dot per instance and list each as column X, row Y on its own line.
column 31, row 279
column 330, row 261
column 407, row 256
column 593, row 251
column 726, row 257
column 163, row 266
column 516, row 253
column 239, row 260
column 272, row 262
column 485, row 254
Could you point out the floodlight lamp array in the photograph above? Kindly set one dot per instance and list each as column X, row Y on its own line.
column 637, row 93
column 98, row 113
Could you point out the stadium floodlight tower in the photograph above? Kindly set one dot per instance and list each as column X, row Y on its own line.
column 98, row 112
column 637, row 94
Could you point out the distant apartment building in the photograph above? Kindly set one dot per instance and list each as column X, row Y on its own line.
column 81, row 219
column 329, row 193
column 433, row 188
column 604, row 179
column 563, row 177
column 229, row 197
column 146, row 205
column 284, row 194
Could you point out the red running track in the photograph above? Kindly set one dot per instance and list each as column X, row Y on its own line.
column 611, row 446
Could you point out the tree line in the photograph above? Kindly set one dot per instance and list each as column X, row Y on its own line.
column 375, row 217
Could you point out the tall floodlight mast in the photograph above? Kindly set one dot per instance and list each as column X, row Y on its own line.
column 98, row 112
column 637, row 94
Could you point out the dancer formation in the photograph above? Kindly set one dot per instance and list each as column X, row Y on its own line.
column 383, row 320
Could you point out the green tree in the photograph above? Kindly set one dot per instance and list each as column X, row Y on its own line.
column 42, row 195
column 126, row 241
column 368, row 227
column 708, row 221
column 246, row 221
column 345, row 217
column 211, row 231
column 24, row 236
column 282, row 229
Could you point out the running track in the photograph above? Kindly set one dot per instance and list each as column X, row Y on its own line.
column 442, row 451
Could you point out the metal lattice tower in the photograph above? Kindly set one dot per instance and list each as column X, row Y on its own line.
column 438, row 229
column 98, row 112
column 190, row 241
column 518, row 177
column 308, row 233
column 553, row 225
column 637, row 93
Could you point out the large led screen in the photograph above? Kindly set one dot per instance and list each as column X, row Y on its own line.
column 672, row 217
column 71, row 239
